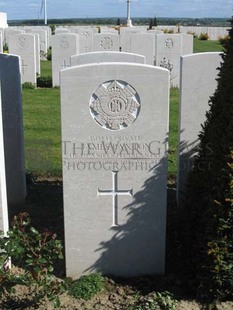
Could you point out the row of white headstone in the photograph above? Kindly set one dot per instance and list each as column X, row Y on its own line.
column 115, row 118
column 162, row 50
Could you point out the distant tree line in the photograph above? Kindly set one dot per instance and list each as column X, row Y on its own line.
column 117, row 21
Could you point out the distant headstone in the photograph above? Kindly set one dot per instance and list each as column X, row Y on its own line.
column 97, row 57
column 11, row 98
column 24, row 45
column 167, row 55
column 43, row 42
column 114, row 133
column 85, row 40
column 108, row 30
column 106, row 42
column 187, row 44
column 63, row 46
column 125, row 36
column 61, row 31
column 154, row 31
column 144, row 44
column 8, row 32
column 3, row 20
column 198, row 83
column 37, row 48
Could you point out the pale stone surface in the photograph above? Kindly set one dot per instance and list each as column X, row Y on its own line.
column 108, row 30
column 3, row 20
column 198, row 83
column 43, row 41
column 114, row 132
column 24, row 45
column 85, row 40
column 37, row 51
column 63, row 46
column 187, row 44
column 3, row 196
column 167, row 55
column 213, row 32
column 13, row 128
column 61, row 30
column 154, row 31
column 125, row 35
column 144, row 44
column 106, row 42
column 96, row 57
column 8, row 32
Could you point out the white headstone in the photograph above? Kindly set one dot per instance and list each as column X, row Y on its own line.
column 144, row 44
column 10, row 32
column 167, row 54
column 11, row 98
column 114, row 132
column 61, row 30
column 96, row 57
column 63, row 46
column 3, row 20
column 106, row 42
column 198, row 83
column 37, row 48
column 125, row 34
column 108, row 30
column 43, row 42
column 187, row 44
column 85, row 40
column 24, row 45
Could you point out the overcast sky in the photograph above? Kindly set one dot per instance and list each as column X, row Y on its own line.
column 30, row 9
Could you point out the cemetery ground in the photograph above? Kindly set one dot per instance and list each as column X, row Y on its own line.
column 44, row 203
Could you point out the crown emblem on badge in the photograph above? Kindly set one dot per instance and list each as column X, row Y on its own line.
column 115, row 105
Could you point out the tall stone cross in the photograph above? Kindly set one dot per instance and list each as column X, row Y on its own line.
column 129, row 21
column 114, row 192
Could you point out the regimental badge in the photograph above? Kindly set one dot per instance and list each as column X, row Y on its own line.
column 115, row 105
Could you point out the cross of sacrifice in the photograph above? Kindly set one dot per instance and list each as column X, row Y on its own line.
column 114, row 192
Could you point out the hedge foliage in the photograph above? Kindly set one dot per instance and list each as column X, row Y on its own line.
column 208, row 225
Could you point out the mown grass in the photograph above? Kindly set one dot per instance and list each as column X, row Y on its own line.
column 42, row 128
column 46, row 68
column 42, row 133
column 200, row 46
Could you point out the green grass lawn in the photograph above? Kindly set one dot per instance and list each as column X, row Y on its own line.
column 200, row 46
column 41, row 108
column 46, row 68
column 42, row 133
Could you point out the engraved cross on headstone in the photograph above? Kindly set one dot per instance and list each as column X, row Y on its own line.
column 65, row 65
column 22, row 66
column 114, row 192
column 86, row 48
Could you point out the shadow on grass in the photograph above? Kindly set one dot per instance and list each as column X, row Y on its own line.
column 44, row 204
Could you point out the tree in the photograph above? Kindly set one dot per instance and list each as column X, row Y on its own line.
column 209, row 200
column 151, row 24
column 118, row 22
